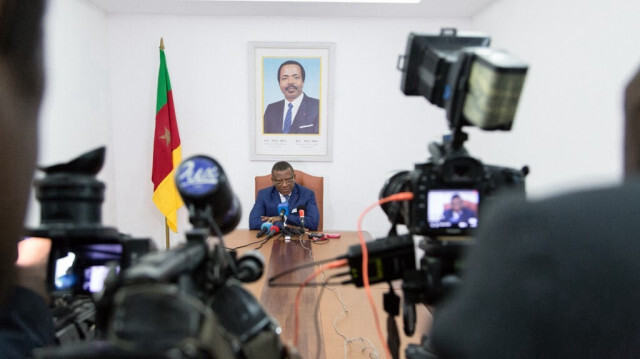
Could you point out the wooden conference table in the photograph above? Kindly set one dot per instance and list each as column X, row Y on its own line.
column 357, row 324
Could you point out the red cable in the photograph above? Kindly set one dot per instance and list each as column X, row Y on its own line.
column 335, row 264
column 402, row 196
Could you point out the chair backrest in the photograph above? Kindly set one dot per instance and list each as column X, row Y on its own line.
column 314, row 183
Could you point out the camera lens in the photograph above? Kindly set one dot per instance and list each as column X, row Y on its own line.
column 397, row 212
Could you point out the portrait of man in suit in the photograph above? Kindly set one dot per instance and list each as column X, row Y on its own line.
column 297, row 113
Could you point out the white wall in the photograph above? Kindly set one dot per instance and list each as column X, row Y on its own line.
column 570, row 121
column 569, row 124
column 376, row 128
column 74, row 117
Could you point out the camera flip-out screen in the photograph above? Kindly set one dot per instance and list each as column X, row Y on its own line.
column 455, row 209
column 84, row 269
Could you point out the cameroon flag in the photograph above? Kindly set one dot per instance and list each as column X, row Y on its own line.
column 167, row 153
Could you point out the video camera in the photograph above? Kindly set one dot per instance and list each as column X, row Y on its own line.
column 477, row 86
column 187, row 302
column 82, row 249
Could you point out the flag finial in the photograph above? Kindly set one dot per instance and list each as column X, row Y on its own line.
column 161, row 44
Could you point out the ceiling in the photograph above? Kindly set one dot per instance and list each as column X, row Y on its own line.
column 426, row 8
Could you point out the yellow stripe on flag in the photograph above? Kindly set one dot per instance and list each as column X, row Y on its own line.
column 167, row 199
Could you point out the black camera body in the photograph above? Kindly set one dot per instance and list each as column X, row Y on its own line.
column 82, row 249
column 450, row 176
column 71, row 199
column 186, row 302
column 477, row 86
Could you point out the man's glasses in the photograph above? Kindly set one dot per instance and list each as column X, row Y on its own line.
column 282, row 181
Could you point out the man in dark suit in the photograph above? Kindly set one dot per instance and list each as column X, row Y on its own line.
column 301, row 113
column 458, row 213
column 284, row 189
column 556, row 278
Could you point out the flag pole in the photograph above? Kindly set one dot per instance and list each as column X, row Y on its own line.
column 166, row 225
column 166, row 232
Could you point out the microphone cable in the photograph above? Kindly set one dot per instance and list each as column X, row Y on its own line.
column 261, row 242
column 402, row 196
column 334, row 264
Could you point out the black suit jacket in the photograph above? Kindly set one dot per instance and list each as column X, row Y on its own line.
column 559, row 278
column 306, row 120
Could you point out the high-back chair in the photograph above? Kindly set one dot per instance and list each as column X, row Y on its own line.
column 314, row 183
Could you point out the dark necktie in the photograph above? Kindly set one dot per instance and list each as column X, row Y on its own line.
column 286, row 198
column 287, row 120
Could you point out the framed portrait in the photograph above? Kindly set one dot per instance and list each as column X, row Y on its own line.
column 290, row 88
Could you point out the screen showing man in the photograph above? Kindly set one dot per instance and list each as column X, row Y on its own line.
column 453, row 208
column 297, row 113
column 84, row 267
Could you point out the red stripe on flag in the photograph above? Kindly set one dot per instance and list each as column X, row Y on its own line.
column 166, row 139
column 166, row 149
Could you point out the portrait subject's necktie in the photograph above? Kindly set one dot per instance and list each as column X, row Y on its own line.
column 287, row 120
column 286, row 198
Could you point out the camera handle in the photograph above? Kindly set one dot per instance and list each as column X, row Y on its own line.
column 203, row 224
column 391, row 304
column 451, row 144
column 458, row 138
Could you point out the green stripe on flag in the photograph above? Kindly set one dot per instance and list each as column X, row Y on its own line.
column 164, row 84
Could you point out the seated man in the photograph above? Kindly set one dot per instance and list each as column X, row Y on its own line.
column 284, row 189
column 458, row 213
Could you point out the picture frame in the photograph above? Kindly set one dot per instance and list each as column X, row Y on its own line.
column 307, row 78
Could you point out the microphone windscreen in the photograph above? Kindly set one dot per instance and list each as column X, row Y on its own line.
column 284, row 206
column 273, row 231
column 264, row 229
column 250, row 266
column 202, row 184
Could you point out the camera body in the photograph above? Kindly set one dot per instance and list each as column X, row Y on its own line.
column 186, row 302
column 71, row 199
column 82, row 249
column 477, row 86
column 449, row 192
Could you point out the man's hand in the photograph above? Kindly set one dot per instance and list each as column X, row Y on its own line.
column 270, row 219
column 33, row 256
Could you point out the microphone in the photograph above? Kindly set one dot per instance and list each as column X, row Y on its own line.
column 301, row 210
column 283, row 211
column 264, row 229
column 273, row 231
column 250, row 266
column 316, row 235
column 206, row 192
